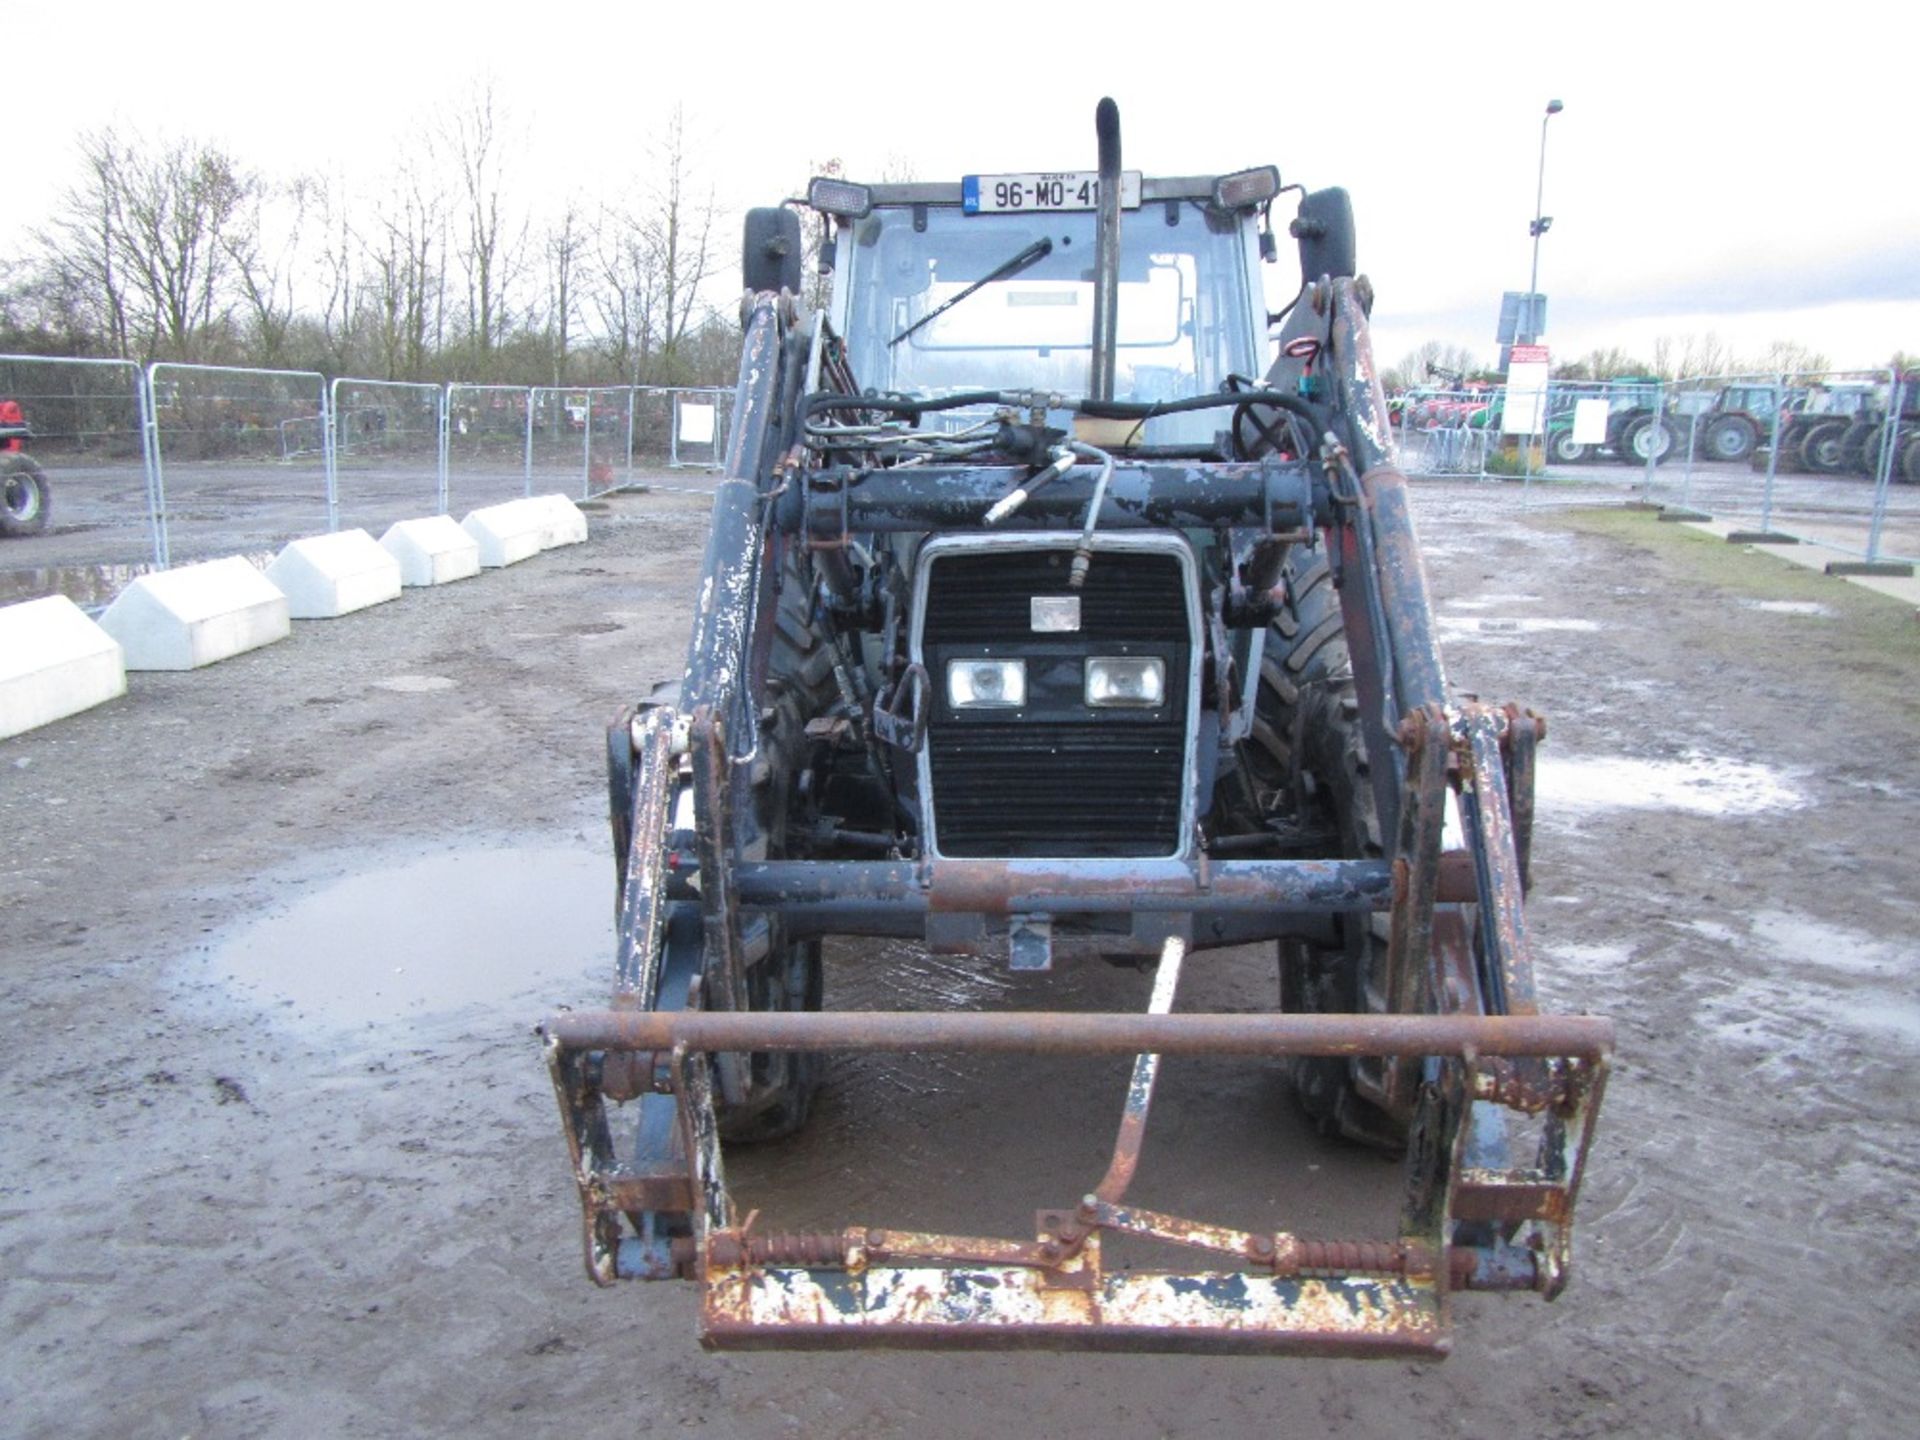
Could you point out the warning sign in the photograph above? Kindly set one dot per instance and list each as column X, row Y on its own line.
column 1525, row 411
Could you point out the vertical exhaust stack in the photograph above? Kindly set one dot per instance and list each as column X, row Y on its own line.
column 1106, row 254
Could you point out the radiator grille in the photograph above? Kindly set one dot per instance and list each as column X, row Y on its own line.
column 1049, row 785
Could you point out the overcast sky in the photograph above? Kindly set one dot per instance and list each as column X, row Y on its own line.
column 1712, row 171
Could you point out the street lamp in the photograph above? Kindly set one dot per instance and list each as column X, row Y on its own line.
column 1541, row 224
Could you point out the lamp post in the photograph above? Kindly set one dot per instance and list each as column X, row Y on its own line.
column 1541, row 224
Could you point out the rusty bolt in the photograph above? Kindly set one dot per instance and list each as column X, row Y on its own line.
column 1262, row 1248
column 1049, row 1252
column 876, row 1238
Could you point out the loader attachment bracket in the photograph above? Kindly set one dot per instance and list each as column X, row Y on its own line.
column 864, row 1286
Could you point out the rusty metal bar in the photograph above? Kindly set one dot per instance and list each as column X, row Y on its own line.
column 846, row 890
column 1013, row 1307
column 1146, row 1069
column 1419, row 679
column 1274, row 495
column 1488, row 820
column 1068, row 1033
column 642, row 900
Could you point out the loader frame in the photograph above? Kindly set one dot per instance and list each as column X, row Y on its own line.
column 1500, row 1101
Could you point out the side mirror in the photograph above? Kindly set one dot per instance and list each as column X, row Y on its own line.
column 771, row 256
column 1324, row 228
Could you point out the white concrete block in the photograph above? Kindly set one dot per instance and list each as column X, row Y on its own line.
column 506, row 534
column 433, row 551
column 54, row 661
column 326, row 576
column 565, row 524
column 183, row 619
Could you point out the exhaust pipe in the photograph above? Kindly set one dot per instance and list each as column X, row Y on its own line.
column 1106, row 254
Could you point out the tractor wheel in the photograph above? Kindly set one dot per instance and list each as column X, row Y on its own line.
column 1823, row 448
column 788, row 976
column 1563, row 449
column 1647, row 438
column 25, row 502
column 1303, row 771
column 1909, row 467
column 1731, row 438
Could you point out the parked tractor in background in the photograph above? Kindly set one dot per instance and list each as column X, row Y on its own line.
column 25, row 499
column 1844, row 428
column 1034, row 628
column 1729, row 424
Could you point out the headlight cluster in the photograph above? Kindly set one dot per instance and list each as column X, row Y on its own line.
column 1126, row 680
column 1112, row 682
column 986, row 684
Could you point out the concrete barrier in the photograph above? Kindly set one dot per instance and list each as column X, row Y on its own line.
column 326, row 576
column 561, row 518
column 507, row 534
column 183, row 619
column 54, row 662
column 433, row 551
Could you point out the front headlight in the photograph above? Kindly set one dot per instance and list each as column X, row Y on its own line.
column 986, row 684
column 1126, row 680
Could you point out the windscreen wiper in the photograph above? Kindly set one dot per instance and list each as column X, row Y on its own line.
column 1025, row 260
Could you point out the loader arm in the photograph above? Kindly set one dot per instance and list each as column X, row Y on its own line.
column 735, row 857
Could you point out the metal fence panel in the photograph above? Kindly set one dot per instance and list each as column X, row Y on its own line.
column 239, row 458
column 1831, row 458
column 700, row 421
column 489, row 445
column 609, row 439
column 85, row 448
column 557, row 444
column 386, row 451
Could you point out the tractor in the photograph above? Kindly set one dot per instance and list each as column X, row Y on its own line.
column 1062, row 606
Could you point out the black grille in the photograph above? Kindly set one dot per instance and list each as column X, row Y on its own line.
column 1042, row 785
column 986, row 598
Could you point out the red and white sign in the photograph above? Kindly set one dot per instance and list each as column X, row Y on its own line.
column 1525, row 410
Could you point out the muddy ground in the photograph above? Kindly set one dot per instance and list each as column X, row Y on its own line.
column 278, row 1156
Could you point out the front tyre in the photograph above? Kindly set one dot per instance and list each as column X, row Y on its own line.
column 25, row 500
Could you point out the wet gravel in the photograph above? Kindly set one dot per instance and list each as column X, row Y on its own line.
column 278, row 1157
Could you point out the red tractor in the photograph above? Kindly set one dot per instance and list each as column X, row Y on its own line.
column 23, row 484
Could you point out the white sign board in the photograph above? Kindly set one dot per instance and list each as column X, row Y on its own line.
column 1590, row 421
column 1525, row 411
column 696, row 424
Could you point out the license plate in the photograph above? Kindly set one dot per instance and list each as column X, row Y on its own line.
column 1066, row 190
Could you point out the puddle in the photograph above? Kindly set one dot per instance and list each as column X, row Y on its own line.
column 1800, row 940
column 1696, row 784
column 511, row 929
column 412, row 684
column 1488, row 602
column 91, row 587
column 1788, row 607
column 1497, row 628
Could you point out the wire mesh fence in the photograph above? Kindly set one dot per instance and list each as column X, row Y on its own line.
column 238, row 458
column 74, row 489
column 109, row 468
column 1832, row 455
column 489, row 444
column 387, row 442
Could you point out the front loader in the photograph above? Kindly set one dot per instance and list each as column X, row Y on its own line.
column 1043, row 620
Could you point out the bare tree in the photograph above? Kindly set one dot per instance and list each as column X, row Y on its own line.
column 1433, row 362
column 490, row 239
column 82, row 276
column 566, row 250
column 181, row 205
column 1789, row 357
column 405, row 261
column 625, row 294
column 264, row 251
column 678, row 231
